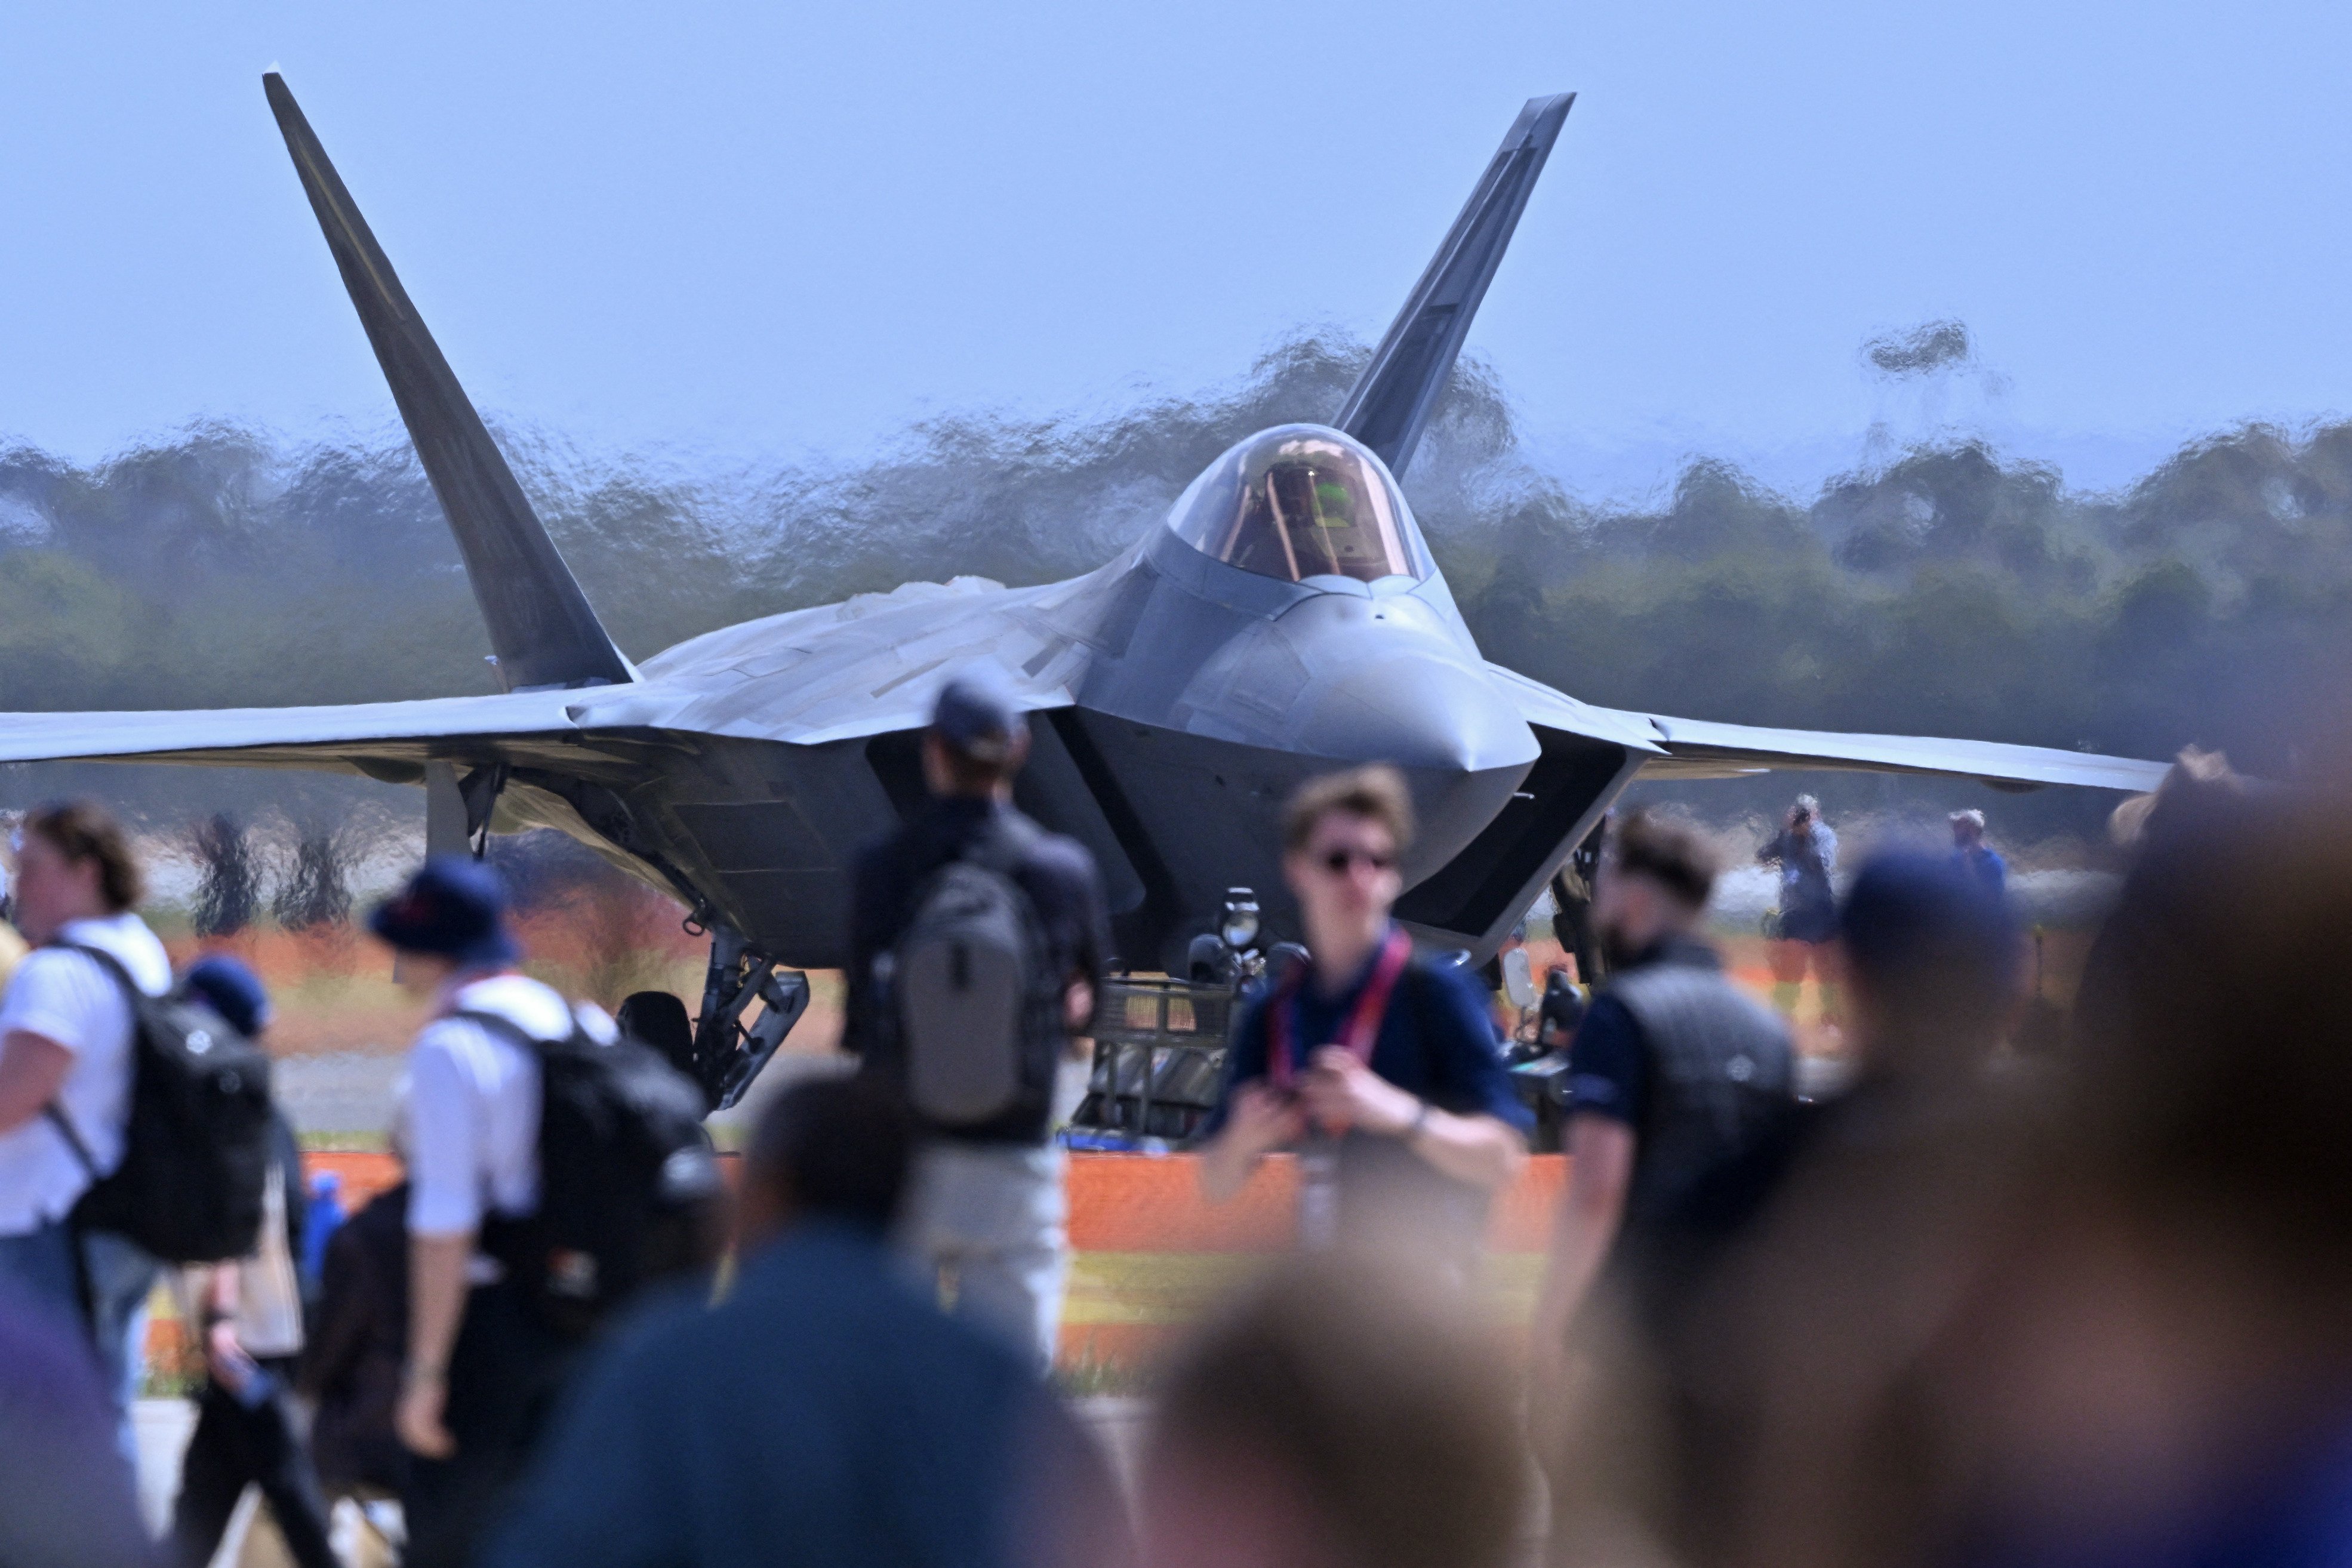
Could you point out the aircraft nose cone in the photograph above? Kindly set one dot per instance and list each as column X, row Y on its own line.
column 1422, row 715
column 1396, row 690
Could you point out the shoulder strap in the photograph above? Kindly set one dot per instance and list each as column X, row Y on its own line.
column 109, row 965
column 56, row 1115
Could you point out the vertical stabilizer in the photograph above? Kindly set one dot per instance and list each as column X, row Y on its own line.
column 540, row 624
column 1392, row 402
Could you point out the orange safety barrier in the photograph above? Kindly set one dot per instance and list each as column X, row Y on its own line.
column 1151, row 1254
column 1135, row 1203
column 363, row 1175
column 1130, row 1203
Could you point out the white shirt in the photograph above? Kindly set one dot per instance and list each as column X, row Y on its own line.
column 471, row 1111
column 69, row 999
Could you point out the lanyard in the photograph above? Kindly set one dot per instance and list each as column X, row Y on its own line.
column 1364, row 1024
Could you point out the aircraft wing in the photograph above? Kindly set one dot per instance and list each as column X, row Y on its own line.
column 1697, row 748
column 383, row 739
column 1702, row 748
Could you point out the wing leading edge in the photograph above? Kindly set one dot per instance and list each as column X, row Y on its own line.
column 383, row 739
column 1701, row 748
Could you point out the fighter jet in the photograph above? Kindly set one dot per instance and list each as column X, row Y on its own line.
column 1287, row 619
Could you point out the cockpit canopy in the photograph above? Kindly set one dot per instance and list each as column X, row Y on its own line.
column 1302, row 501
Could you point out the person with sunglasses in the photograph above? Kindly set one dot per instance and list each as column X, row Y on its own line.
column 1379, row 1066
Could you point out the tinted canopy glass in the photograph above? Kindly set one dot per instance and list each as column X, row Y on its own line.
column 1301, row 501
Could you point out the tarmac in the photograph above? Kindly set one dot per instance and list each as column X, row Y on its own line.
column 162, row 1427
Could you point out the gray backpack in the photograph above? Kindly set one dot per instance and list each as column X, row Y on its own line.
column 976, row 1001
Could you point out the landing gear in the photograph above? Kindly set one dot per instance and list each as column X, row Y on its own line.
column 723, row 1053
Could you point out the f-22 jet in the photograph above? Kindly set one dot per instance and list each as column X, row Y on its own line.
column 1287, row 618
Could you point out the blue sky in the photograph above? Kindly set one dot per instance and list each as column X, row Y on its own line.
column 731, row 231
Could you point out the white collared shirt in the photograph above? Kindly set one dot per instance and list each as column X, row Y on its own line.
column 471, row 1106
column 69, row 999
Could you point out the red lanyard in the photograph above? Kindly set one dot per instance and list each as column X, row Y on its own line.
column 1364, row 1024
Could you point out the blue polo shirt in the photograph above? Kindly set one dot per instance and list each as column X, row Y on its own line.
column 1436, row 1041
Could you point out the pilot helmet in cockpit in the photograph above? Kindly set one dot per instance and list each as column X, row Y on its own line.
column 1301, row 502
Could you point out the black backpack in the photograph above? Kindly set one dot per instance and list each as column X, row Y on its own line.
column 974, row 996
column 629, row 1191
column 196, row 1147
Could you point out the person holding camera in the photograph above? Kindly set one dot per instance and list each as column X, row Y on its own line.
column 1381, row 1067
column 1805, row 849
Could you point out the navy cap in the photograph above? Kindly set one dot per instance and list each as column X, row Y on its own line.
column 1908, row 911
column 225, row 985
column 978, row 715
column 454, row 907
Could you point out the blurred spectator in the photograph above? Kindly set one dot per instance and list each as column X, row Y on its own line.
column 1385, row 1067
column 1340, row 1415
column 1681, row 1099
column 987, row 1215
column 2177, row 1385
column 1805, row 849
column 2111, row 1334
column 1974, row 856
column 249, row 1313
column 13, row 948
column 1675, row 1077
column 826, row 1412
column 67, row 1499
column 351, row 1370
column 66, row 1060
column 1934, row 963
column 484, row 1366
column 1800, row 1366
column 2196, row 775
column 325, row 1216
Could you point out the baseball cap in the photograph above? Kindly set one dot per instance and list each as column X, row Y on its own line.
column 978, row 714
column 454, row 907
column 231, row 990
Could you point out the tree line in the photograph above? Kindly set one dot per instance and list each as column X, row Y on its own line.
column 1953, row 589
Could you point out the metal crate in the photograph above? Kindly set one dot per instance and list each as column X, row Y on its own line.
column 1159, row 1055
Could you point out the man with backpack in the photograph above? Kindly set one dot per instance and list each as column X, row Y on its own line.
column 250, row 1312
column 976, row 937
column 1381, row 1066
column 67, row 1052
column 507, row 1163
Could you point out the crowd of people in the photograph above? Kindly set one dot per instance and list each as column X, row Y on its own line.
column 1983, row 1306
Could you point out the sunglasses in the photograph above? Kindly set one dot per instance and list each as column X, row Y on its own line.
column 1339, row 863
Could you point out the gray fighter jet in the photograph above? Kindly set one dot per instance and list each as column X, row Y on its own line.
column 1286, row 619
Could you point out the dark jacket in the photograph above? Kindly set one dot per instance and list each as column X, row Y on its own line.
column 352, row 1367
column 826, row 1413
column 1706, row 1077
column 1056, row 872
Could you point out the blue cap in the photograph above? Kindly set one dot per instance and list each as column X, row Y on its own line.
column 1908, row 911
column 225, row 985
column 978, row 714
column 454, row 907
